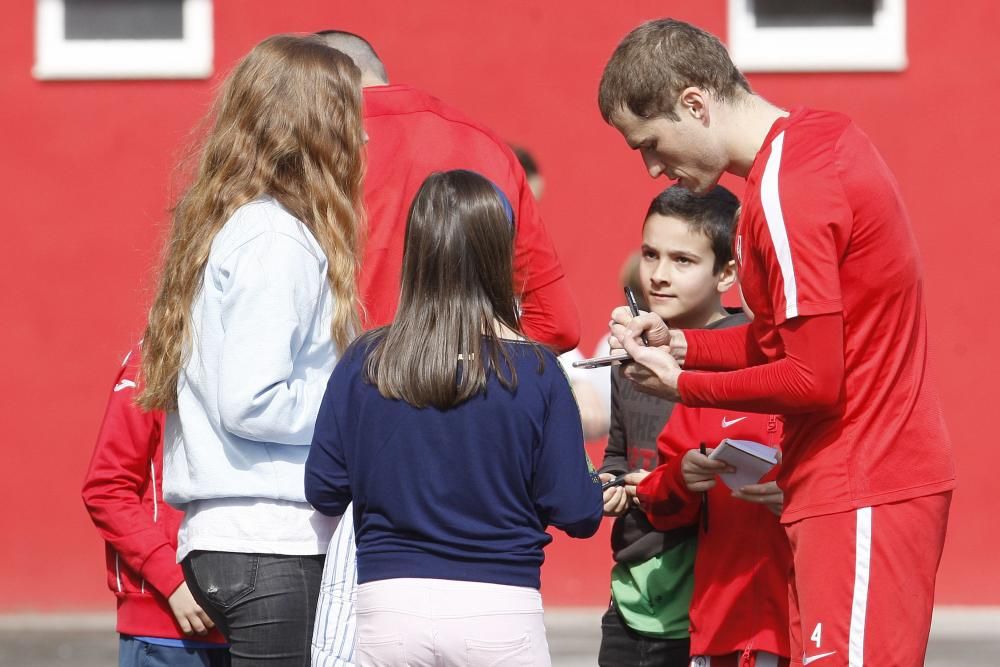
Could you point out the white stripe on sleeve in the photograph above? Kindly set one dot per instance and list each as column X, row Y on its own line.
column 859, row 607
column 335, row 631
column 118, row 573
column 771, row 203
column 156, row 502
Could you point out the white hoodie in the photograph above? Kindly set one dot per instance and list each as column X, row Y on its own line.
column 261, row 356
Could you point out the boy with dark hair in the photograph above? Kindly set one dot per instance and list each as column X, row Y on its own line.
column 684, row 268
column 828, row 265
column 159, row 622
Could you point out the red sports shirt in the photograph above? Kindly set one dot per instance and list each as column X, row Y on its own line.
column 823, row 231
column 412, row 134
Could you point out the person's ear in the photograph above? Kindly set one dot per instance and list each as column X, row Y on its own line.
column 727, row 277
column 694, row 102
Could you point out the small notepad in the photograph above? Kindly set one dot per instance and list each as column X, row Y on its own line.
column 751, row 460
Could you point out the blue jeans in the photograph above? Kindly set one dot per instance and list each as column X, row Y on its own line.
column 264, row 604
column 135, row 653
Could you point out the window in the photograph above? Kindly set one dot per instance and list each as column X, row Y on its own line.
column 818, row 35
column 123, row 39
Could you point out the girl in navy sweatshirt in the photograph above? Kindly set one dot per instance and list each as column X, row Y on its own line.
column 459, row 442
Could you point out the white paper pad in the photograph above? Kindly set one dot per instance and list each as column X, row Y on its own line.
column 751, row 460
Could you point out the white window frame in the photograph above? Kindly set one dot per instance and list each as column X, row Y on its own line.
column 59, row 58
column 881, row 47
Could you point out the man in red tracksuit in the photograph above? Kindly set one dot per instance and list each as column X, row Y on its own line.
column 828, row 263
column 412, row 134
column 739, row 607
column 159, row 621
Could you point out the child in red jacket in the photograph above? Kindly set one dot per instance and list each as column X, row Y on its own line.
column 739, row 607
column 159, row 622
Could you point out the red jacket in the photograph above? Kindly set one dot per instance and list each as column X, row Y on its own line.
column 411, row 135
column 123, row 494
column 740, row 599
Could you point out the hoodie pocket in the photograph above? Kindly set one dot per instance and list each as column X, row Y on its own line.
column 121, row 579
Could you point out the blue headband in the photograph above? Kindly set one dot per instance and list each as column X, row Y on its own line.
column 507, row 208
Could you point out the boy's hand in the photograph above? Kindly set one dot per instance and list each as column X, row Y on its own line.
column 624, row 325
column 632, row 480
column 699, row 471
column 615, row 498
column 767, row 494
column 189, row 615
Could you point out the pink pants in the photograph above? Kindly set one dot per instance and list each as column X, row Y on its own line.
column 418, row 622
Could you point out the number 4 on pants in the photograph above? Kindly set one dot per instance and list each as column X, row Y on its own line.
column 817, row 638
column 817, row 635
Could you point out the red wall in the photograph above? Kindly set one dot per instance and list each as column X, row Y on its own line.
column 87, row 174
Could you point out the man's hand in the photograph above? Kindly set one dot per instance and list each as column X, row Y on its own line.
column 654, row 369
column 623, row 323
column 699, row 471
column 615, row 498
column 767, row 494
column 189, row 615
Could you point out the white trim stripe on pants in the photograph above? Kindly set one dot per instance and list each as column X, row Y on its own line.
column 859, row 605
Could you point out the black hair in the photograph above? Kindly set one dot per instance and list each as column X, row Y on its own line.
column 712, row 214
column 526, row 159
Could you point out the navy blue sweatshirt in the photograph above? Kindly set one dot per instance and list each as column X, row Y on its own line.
column 464, row 493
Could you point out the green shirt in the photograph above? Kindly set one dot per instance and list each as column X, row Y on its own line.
column 654, row 596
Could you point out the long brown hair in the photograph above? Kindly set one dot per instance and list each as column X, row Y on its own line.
column 457, row 287
column 287, row 123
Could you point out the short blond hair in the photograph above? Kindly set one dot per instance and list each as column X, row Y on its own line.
column 658, row 60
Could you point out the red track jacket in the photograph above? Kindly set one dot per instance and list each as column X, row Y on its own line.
column 740, row 600
column 123, row 493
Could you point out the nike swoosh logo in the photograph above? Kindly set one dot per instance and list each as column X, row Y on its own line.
column 124, row 384
column 814, row 658
column 726, row 423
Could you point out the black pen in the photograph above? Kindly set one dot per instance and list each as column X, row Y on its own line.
column 633, row 306
column 617, row 481
column 704, row 498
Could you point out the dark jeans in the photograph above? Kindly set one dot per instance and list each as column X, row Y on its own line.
column 621, row 646
column 264, row 604
column 135, row 653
